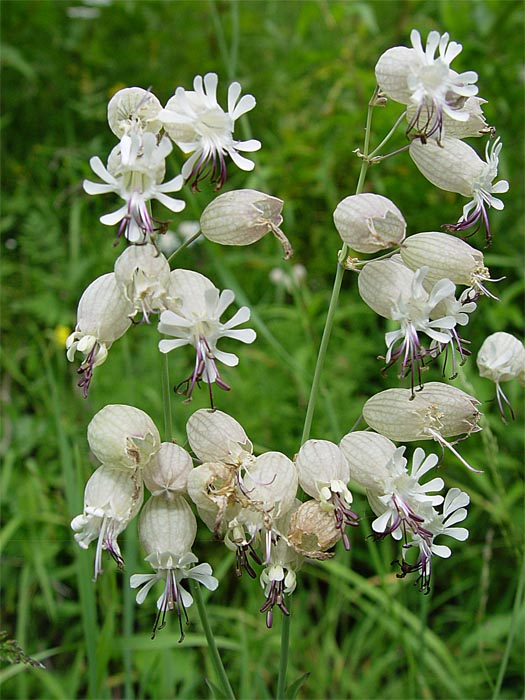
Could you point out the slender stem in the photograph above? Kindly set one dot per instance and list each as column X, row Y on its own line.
column 389, row 135
column 212, row 645
column 166, row 397
column 184, row 245
column 518, row 602
column 336, row 289
column 283, row 661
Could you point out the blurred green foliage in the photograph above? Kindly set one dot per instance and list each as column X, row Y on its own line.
column 357, row 630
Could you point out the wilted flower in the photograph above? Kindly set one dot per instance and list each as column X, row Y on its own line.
column 324, row 474
column 167, row 529
column 242, row 217
column 313, row 530
column 144, row 277
column 197, row 322
column 369, row 222
column 198, row 125
column 111, row 499
column 435, row 412
column 417, row 77
column 123, row 436
column 103, row 316
column 501, row 358
column 136, row 175
column 446, row 256
column 133, row 109
column 455, row 166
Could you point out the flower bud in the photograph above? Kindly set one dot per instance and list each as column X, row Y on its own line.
column 123, row 436
column 133, row 108
column 167, row 471
column 167, row 525
column 367, row 454
column 369, row 222
column 215, row 436
column 445, row 256
column 313, row 530
column 242, row 217
column 502, row 358
column 437, row 411
column 143, row 275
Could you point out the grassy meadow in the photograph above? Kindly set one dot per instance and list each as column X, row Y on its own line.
column 357, row 630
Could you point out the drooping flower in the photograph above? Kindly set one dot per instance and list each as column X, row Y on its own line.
column 369, row 222
column 435, row 412
column 112, row 497
column 455, row 166
column 501, row 358
column 123, row 436
column 135, row 171
column 446, row 256
column 200, row 127
column 167, row 471
column 394, row 291
column 167, row 529
column 103, row 316
column 324, row 474
column 436, row 524
column 421, row 79
column 242, row 217
column 197, row 322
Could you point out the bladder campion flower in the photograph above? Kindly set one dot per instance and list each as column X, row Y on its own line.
column 501, row 358
column 417, row 77
column 167, row 529
column 112, row 497
column 369, row 222
column 242, row 217
column 197, row 322
column 455, row 166
column 199, row 125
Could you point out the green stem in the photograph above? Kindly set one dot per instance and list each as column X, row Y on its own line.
column 184, row 245
column 389, row 135
column 212, row 645
column 166, row 397
column 283, row 661
column 515, row 620
column 314, row 391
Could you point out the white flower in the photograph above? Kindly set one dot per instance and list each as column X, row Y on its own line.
column 501, row 358
column 133, row 109
column 446, row 256
column 369, row 222
column 135, row 172
column 198, row 125
column 394, row 291
column 242, row 217
column 399, row 501
column 103, row 316
column 197, row 322
column 167, row 472
column 167, row 529
column 123, row 436
column 111, row 499
column 417, row 77
column 455, row 166
column 324, row 474
column 435, row 412
column 435, row 524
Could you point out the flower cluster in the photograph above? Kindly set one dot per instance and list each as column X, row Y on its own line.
column 278, row 511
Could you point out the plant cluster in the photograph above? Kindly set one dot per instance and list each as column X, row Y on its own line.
column 273, row 510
